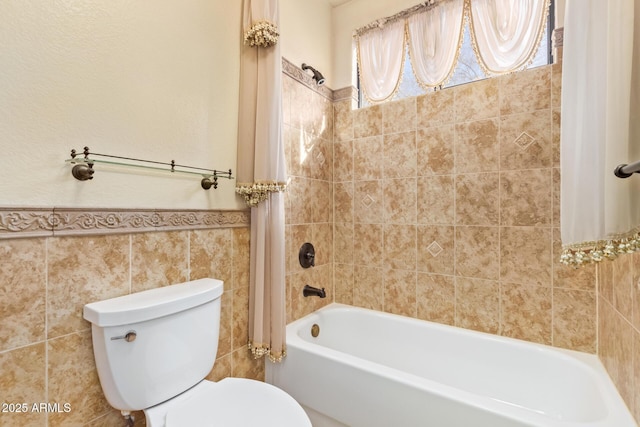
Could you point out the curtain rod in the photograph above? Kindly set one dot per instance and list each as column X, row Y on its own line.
column 379, row 23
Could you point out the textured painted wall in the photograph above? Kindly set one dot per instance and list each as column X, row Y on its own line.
column 153, row 80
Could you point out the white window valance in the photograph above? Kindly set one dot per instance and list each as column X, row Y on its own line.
column 505, row 35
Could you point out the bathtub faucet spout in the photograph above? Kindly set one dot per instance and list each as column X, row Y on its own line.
column 311, row 291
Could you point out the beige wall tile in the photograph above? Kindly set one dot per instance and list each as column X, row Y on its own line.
column 211, row 255
column 400, row 292
column 368, row 244
column 616, row 349
column 605, row 280
column 477, row 147
column 525, row 255
column 583, row 278
column 299, row 194
column 435, row 252
column 526, row 312
column 556, row 84
column 322, row 240
column 221, row 369
column 343, row 161
column 344, row 283
column 477, row 304
column 368, row 202
column 368, row 158
column 556, row 117
column 623, row 285
column 343, row 121
column 477, row 101
column 477, row 252
column 300, row 234
column 635, row 320
column 522, row 92
column 158, row 259
column 435, row 109
column 322, row 160
column 436, row 200
column 343, row 199
column 635, row 410
column 435, row 154
column 343, row 249
column 243, row 365
column 226, row 319
column 436, row 298
column 368, row 287
column 83, row 270
column 321, row 201
column 23, row 379
column 574, row 320
column 22, row 292
column 73, row 379
column 241, row 256
column 240, row 319
column 400, row 200
column 399, row 155
column 477, row 199
column 526, row 140
column 400, row 246
column 399, row 116
column 525, row 197
column 555, row 197
column 367, row 122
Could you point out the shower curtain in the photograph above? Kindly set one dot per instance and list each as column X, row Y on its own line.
column 600, row 213
column 262, row 175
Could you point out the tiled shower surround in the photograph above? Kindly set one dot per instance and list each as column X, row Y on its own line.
column 442, row 207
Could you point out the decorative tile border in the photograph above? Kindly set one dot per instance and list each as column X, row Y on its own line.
column 296, row 73
column 558, row 37
column 24, row 222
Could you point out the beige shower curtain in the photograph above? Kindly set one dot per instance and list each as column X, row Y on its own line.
column 262, row 175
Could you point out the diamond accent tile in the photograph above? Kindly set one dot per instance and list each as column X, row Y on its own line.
column 434, row 248
column 320, row 158
column 367, row 200
column 524, row 140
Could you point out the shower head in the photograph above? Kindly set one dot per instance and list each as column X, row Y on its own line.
column 317, row 76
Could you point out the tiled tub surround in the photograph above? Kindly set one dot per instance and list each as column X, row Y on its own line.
column 447, row 209
column 452, row 197
column 45, row 345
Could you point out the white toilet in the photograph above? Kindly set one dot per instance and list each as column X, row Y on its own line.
column 153, row 350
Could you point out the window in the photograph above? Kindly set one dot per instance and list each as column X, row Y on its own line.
column 467, row 69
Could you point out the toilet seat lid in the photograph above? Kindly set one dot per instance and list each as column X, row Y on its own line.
column 238, row 402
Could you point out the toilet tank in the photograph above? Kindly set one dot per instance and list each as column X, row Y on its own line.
column 172, row 347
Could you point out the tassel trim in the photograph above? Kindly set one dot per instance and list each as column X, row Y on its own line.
column 259, row 191
column 259, row 351
column 590, row 252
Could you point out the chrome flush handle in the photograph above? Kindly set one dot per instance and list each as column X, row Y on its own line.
column 128, row 337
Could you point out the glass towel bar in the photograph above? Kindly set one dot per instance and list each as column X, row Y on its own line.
column 83, row 167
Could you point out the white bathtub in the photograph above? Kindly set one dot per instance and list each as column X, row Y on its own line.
column 368, row 368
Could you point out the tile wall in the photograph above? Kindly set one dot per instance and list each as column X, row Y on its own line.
column 45, row 345
column 446, row 209
column 619, row 325
column 308, row 137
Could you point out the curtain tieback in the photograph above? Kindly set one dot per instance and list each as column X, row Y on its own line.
column 257, row 192
column 261, row 34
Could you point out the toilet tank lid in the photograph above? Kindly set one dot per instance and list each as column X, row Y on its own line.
column 153, row 303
